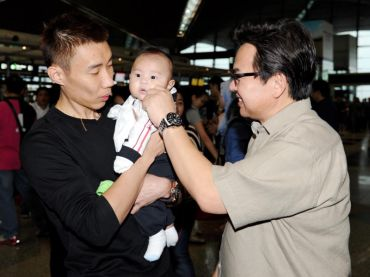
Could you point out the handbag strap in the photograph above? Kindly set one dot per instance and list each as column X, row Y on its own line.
column 15, row 115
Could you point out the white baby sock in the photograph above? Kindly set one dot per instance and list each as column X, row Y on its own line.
column 156, row 245
column 171, row 236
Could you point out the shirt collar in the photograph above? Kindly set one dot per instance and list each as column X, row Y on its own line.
column 283, row 117
column 257, row 128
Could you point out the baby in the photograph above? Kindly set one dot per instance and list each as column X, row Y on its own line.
column 151, row 68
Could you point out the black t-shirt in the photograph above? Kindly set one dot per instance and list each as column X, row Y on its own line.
column 65, row 165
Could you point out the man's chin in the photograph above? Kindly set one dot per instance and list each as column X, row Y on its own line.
column 99, row 106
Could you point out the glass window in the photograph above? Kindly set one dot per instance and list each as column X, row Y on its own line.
column 363, row 92
column 363, row 52
column 364, row 38
column 190, row 49
column 222, row 63
column 204, row 47
column 201, row 47
column 363, row 49
column 204, row 62
column 363, row 65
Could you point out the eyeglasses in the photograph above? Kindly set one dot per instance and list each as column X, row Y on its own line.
column 236, row 76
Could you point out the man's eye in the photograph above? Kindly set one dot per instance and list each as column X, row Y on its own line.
column 153, row 77
column 137, row 75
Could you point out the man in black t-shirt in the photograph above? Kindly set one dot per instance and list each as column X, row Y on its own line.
column 70, row 150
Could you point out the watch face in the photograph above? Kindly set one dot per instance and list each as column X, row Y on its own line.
column 173, row 119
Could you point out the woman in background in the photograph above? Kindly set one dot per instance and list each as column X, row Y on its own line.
column 186, row 211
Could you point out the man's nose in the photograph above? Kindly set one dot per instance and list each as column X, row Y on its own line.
column 232, row 86
column 108, row 79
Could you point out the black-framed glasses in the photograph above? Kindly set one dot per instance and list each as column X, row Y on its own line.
column 236, row 76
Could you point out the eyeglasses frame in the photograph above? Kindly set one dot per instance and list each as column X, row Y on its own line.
column 236, row 76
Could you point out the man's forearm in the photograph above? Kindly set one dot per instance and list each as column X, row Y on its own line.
column 193, row 170
column 124, row 191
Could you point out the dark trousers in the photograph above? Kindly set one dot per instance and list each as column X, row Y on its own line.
column 185, row 218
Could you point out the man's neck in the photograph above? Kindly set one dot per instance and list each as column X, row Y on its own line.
column 75, row 110
column 278, row 106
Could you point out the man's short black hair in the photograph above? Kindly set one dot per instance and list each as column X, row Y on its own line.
column 64, row 33
column 284, row 47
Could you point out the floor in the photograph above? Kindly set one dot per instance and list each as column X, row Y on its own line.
column 31, row 257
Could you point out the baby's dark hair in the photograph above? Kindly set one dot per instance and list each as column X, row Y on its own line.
column 157, row 51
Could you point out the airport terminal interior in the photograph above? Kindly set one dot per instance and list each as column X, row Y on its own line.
column 198, row 35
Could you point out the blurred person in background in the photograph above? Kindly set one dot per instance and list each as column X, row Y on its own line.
column 41, row 104
column 16, row 118
column 323, row 104
column 198, row 98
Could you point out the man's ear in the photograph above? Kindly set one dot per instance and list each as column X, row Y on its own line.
column 56, row 73
column 171, row 83
column 280, row 85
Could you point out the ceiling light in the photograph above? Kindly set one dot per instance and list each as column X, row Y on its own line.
column 188, row 16
column 303, row 13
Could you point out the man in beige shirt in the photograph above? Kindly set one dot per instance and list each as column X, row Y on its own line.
column 288, row 199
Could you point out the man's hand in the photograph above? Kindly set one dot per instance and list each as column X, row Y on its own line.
column 158, row 103
column 153, row 188
column 155, row 146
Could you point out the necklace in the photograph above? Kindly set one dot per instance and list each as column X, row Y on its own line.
column 96, row 117
column 83, row 125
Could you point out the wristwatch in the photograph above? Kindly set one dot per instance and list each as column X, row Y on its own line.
column 170, row 120
column 175, row 195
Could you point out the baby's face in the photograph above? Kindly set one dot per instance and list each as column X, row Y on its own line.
column 148, row 71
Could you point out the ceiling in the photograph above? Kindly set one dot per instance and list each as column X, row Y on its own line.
column 139, row 22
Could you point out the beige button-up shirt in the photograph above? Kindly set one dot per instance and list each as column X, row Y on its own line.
column 288, row 200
